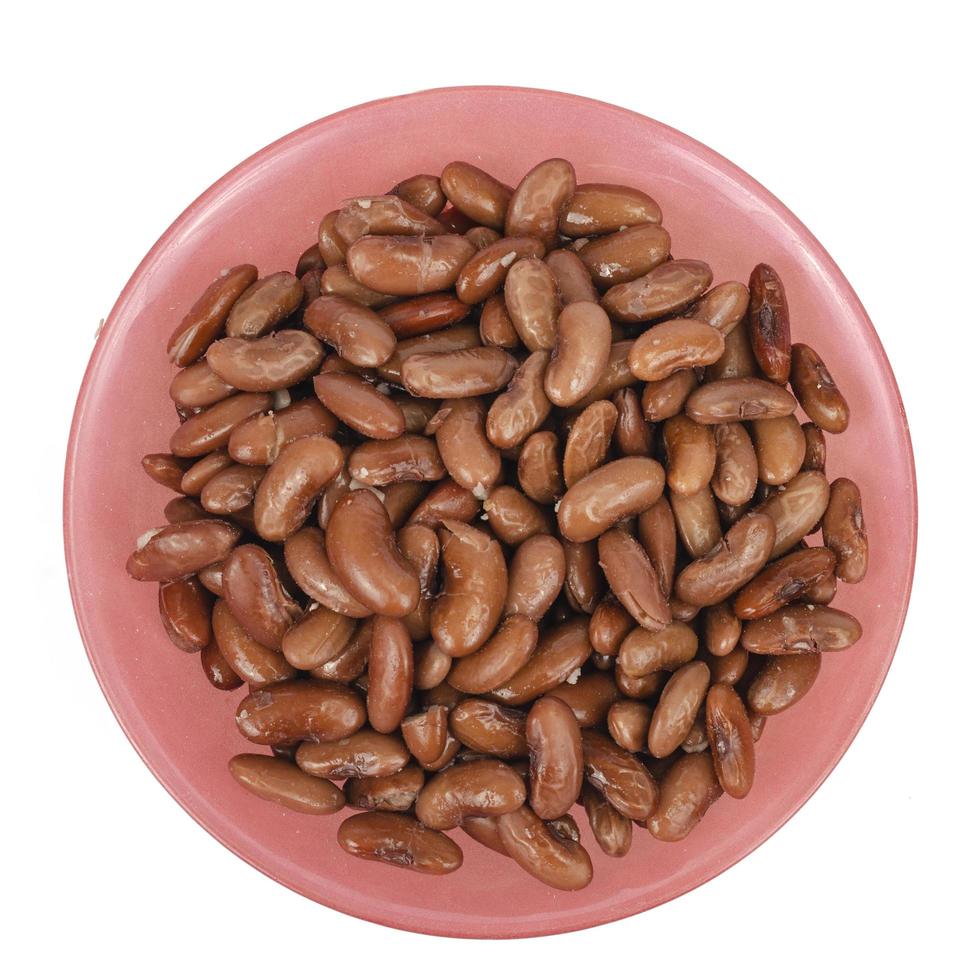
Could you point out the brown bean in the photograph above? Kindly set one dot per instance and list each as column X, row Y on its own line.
column 803, row 628
column 782, row 681
column 310, row 261
column 691, row 455
column 797, row 509
column 358, row 334
column 739, row 399
column 609, row 626
column 573, row 279
column 420, row 546
column 626, row 254
column 598, row 209
column 607, row 495
column 422, row 191
column 817, row 391
column 394, row 793
column 351, row 662
column 489, row 728
column 539, row 199
column 640, row 688
column 815, row 456
column 401, row 499
column 337, row 282
column 264, row 305
column 584, row 339
column 281, row 782
column 734, row 562
column 387, row 214
column 405, row 458
column 259, row 439
column 769, row 323
column 317, row 638
column 632, row 435
column 496, row 328
column 665, row 398
column 780, row 447
column 543, row 852
column 673, row 346
column 783, row 582
column 432, row 666
column 185, row 610
column 736, row 467
column 730, row 736
column 365, row 753
column 178, row 550
column 535, row 577
column 502, row 656
column 689, row 787
column 211, row 428
column 677, row 708
column 306, row 558
column 657, row 532
column 723, row 307
column 165, row 469
column 538, row 470
column 722, row 629
column 583, row 577
column 255, row 595
column 416, row 412
column 668, row 288
column 622, row 779
column 730, row 668
column 485, row 831
column 470, row 459
column 207, row 316
column 400, row 265
column 697, row 521
column 458, row 373
column 362, row 551
column 844, row 531
column 486, row 787
column 588, row 696
column 633, row 579
column 628, row 723
column 555, row 746
column 615, row 376
column 250, row 660
column 513, row 517
column 399, row 840
column 523, row 407
column 360, row 405
column 332, row 248
column 486, row 271
column 531, row 296
column 217, row 670
column 197, row 386
column 737, row 361
column 480, row 237
column 300, row 710
column 479, row 196
column 231, row 489
column 423, row 314
column 561, row 651
column 391, row 666
column 642, row 651
column 446, row 500
column 613, row 832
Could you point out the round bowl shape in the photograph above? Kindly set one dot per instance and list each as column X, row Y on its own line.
column 266, row 211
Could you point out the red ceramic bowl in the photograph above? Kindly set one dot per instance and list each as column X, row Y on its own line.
column 266, row 211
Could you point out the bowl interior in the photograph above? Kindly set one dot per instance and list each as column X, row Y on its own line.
column 266, row 212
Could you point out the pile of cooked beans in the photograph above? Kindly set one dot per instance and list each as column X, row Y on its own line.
column 497, row 507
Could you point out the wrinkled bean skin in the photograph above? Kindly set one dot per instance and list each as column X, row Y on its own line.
column 605, row 496
column 665, row 398
column 358, row 334
column 446, row 500
column 612, row 831
column 674, row 346
column 259, row 439
column 306, row 558
column 351, row 663
column 623, row 780
column 555, row 747
column 391, row 666
column 632, row 436
column 423, row 314
column 817, row 391
column 300, row 710
column 487, row 787
column 780, row 447
column 535, row 577
column 400, row 265
column 513, row 517
column 802, row 628
column 217, row 670
column 386, row 214
column 489, row 728
column 197, row 386
column 379, row 463
column 185, row 610
column 782, row 682
column 552, row 858
column 561, row 651
column 539, row 199
column 844, row 531
column 797, row 509
column 523, row 407
column 473, row 191
column 281, row 782
column 609, row 626
column 615, row 376
column 422, row 191
column 668, row 288
column 336, row 281
column 573, row 279
column 691, row 455
column 288, row 491
column 588, row 441
column 723, row 307
column 317, row 638
column 364, row 753
column 360, row 405
column 589, row 697
column 625, row 255
column 250, row 585
column 657, row 532
column 178, row 550
column 538, row 469
column 628, row 723
column 722, row 629
column 730, row 736
column 736, row 464
column 531, row 297
column 738, row 400
column 459, row 373
column 784, row 581
column 249, row 659
column 769, row 323
column 633, row 579
column 231, row 489
column 207, row 316
column 642, row 652
column 688, row 788
column 697, row 521
column 165, row 469
column 211, row 429
column 677, row 708
column 815, row 457
column 469, row 457
column 393, row 794
column 362, row 551
column 496, row 662
column 583, row 577
column 399, row 840
column 734, row 562
column 583, row 345
column 264, row 305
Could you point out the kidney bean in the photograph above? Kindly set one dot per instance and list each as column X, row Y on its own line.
column 487, row 787
column 281, row 782
column 306, row 559
column 823, row 591
column 320, row 636
column 300, row 710
column 468, row 456
column 584, row 339
column 784, row 581
column 538, row 470
column 479, row 196
column 573, row 278
column 432, row 666
column 642, row 651
column 697, row 521
column 386, row 214
column 668, row 288
column 446, row 500
column 665, row 398
column 504, row 654
column 599, row 209
column 395, row 793
column 264, row 305
column 231, row 489
column 625, row 255
column 207, row 316
column 496, row 328
column 797, row 509
column 687, row 790
column 622, row 780
column 583, row 577
column 484, row 830
column 391, row 666
column 362, row 551
column 416, row 412
column 333, row 248
column 769, row 323
column 480, row 237
column 640, row 688
column 523, row 407
column 632, row 436
column 691, row 455
column 844, row 531
column 544, row 851
column 513, row 517
column 780, row 447
column 217, row 670
column 310, row 261
column 210, row 575
column 401, row 265
column 736, row 465
column 360, row 405
column 535, row 577
column 633, row 579
column 185, row 611
column 803, row 628
column 730, row 736
column 197, row 386
column 178, row 550
column 337, row 282
column 423, row 191
column 423, row 314
column 722, row 629
column 682, row 611
column 486, row 271
column 255, row 595
column 489, row 728
column 782, row 681
column 730, row 668
column 211, row 428
column 628, row 722
column 259, row 439
column 358, row 334
column 733, row 562
column 738, row 399
column 722, row 307
column 399, row 840
column 401, row 499
column 555, row 746
column 589, row 697
column 658, row 535
column 731, row 513
column 815, row 455
column 405, row 458
column 677, row 708
column 420, row 546
column 673, row 346
column 615, row 376
column 351, row 663
column 165, row 469
column 531, row 297
column 737, row 360
column 539, row 199
column 608, row 627
column 365, row 753
column 817, row 391
column 458, row 373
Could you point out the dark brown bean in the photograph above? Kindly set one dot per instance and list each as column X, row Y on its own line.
column 622, row 779
column 815, row 456
column 217, row 670
column 802, row 628
column 300, row 710
column 817, row 391
column 844, row 531
column 423, row 314
column 211, row 428
column 178, row 550
column 583, row 577
column 783, row 582
column 730, row 735
column 769, row 323
column 185, row 610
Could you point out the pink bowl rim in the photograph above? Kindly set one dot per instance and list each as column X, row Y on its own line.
column 191, row 214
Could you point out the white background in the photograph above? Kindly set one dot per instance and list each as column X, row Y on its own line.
column 863, row 122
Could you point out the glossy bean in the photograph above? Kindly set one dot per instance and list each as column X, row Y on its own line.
column 665, row 398
column 599, row 209
column 573, row 278
column 643, row 652
column 446, row 500
column 386, row 214
column 535, row 577
column 259, row 439
column 185, row 611
column 722, row 629
column 484, row 788
column 400, row 841
column 300, row 710
column 523, row 407
column 459, row 373
column 211, row 428
column 392, row 794
column 555, row 860
column 178, row 550
column 264, row 305
column 619, row 776
column 539, row 199
column 351, row 662
column 583, row 345
column 381, row 462
column 844, row 530
column 657, row 531
column 588, row 695
column 531, row 297
column 365, row 753
column 628, row 723
column 736, row 464
column 554, row 744
column 165, row 469
column 360, row 405
column 739, row 399
column 677, row 708
column 280, row 781
column 633, row 579
column 358, row 334
column 513, row 517
column 769, row 329
column 609, row 626
column 231, row 489
column 723, row 307
column 802, row 628
column 797, row 509
column 687, row 790
column 691, row 455
column 332, row 248
column 697, row 521
column 250, row 660
column 730, row 737
column 306, row 558
column 197, row 386
column 496, row 327
column 668, row 288
column 780, row 447
column 473, row 191
column 401, row 265
column 673, row 346
column 783, row 582
column 337, row 282
column 391, row 667
column 318, row 637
